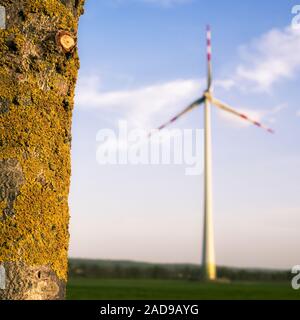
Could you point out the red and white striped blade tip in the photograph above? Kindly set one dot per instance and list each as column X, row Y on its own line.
column 256, row 123
column 229, row 109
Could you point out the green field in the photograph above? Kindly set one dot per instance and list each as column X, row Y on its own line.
column 122, row 289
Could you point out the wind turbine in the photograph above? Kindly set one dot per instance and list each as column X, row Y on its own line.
column 208, row 253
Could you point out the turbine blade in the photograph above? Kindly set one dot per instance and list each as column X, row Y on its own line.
column 209, row 53
column 227, row 108
column 179, row 115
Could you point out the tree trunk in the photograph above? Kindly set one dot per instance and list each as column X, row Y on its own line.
column 38, row 71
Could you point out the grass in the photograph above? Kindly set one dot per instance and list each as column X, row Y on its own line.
column 125, row 289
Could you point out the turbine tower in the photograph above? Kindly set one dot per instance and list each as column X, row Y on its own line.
column 208, row 251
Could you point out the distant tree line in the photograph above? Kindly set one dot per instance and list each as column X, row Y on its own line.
column 122, row 270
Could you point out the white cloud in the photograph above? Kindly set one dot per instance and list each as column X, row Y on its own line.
column 271, row 58
column 150, row 106
column 225, row 84
column 267, row 60
column 141, row 106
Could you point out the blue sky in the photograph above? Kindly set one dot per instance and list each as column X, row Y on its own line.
column 143, row 61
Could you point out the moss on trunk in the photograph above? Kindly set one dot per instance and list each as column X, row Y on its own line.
column 37, row 81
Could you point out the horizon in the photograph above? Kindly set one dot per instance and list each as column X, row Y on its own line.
column 176, row 263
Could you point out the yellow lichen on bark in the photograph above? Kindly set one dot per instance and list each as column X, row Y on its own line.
column 37, row 81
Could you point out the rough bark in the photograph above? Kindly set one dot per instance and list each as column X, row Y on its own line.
column 37, row 81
